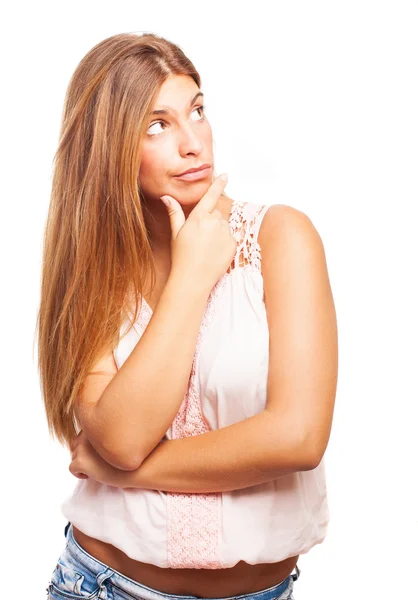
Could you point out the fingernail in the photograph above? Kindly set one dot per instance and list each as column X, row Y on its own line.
column 224, row 177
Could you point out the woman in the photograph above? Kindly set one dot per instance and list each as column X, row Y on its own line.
column 187, row 348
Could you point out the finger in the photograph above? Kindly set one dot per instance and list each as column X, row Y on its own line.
column 211, row 198
column 175, row 214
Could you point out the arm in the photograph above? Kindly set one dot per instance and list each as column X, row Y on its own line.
column 250, row 452
column 133, row 413
column 292, row 433
column 121, row 422
column 303, row 365
column 247, row 453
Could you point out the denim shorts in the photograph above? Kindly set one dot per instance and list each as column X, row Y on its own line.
column 79, row 575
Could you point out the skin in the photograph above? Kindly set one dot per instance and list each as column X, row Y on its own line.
column 175, row 143
column 181, row 142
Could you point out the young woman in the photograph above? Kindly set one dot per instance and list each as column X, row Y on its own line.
column 187, row 348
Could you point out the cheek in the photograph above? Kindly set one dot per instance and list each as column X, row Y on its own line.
column 153, row 163
column 207, row 134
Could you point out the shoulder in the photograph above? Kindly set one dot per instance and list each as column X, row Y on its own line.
column 285, row 228
column 292, row 255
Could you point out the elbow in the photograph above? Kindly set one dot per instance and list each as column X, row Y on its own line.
column 123, row 459
column 127, row 463
column 311, row 462
column 312, row 455
column 118, row 447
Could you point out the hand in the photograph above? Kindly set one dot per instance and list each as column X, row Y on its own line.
column 201, row 245
column 87, row 463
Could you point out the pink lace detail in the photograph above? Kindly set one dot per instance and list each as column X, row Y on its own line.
column 245, row 223
column 194, row 521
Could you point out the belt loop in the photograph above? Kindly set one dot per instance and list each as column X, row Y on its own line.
column 100, row 579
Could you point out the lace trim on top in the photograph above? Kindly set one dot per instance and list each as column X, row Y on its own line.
column 194, row 521
column 245, row 223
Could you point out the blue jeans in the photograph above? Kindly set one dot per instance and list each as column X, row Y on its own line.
column 79, row 575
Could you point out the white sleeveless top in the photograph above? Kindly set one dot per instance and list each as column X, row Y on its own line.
column 228, row 383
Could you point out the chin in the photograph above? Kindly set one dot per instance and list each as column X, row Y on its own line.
column 191, row 189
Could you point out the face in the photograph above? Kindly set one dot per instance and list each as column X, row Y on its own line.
column 175, row 142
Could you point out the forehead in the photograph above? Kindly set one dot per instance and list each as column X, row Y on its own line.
column 176, row 92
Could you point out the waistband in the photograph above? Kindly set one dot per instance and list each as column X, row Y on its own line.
column 103, row 572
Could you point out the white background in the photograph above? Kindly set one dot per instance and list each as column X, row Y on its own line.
column 313, row 105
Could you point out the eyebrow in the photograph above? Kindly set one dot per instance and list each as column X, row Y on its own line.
column 163, row 111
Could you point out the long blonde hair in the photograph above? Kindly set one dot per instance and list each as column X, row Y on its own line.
column 96, row 251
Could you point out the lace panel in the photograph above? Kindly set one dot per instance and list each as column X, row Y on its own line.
column 194, row 521
column 245, row 223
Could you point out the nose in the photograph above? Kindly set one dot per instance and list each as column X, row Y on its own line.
column 189, row 141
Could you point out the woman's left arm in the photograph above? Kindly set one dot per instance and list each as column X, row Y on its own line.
column 292, row 433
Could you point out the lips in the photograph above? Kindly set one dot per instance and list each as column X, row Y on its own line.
column 205, row 166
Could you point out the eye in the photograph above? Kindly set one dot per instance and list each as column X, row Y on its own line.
column 198, row 108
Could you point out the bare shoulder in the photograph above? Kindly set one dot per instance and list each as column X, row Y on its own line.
column 292, row 255
column 286, row 224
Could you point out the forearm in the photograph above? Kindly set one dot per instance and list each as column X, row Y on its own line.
column 250, row 452
column 153, row 379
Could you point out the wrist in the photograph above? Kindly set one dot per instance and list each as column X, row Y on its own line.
column 122, row 478
column 179, row 281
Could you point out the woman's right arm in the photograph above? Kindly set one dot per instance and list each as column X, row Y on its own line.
column 131, row 416
column 126, row 413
